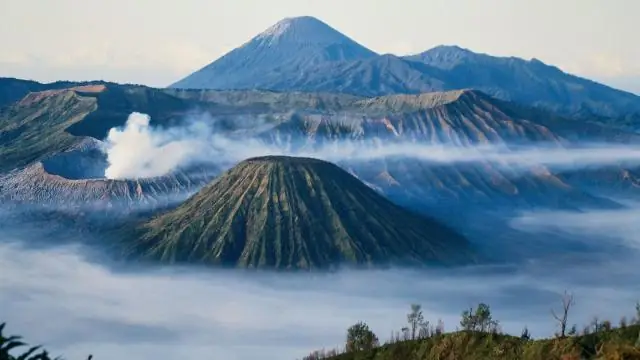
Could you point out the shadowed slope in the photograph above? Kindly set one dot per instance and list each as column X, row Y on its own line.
column 288, row 213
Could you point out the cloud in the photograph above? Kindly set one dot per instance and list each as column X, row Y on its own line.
column 89, row 59
column 57, row 297
column 140, row 150
column 600, row 225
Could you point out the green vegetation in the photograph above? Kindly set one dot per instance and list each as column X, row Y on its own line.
column 295, row 213
column 480, row 338
column 13, row 343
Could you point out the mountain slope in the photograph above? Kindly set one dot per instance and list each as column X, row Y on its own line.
column 292, row 45
column 286, row 212
column 304, row 54
column 529, row 82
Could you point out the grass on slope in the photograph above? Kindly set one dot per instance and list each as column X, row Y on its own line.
column 481, row 339
column 615, row 344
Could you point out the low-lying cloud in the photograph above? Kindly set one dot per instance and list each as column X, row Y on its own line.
column 621, row 226
column 140, row 150
column 56, row 297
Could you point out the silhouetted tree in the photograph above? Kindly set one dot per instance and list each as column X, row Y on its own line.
column 479, row 320
column 417, row 325
column 360, row 337
column 406, row 333
column 573, row 331
column 567, row 302
column 525, row 335
column 623, row 322
column 7, row 344
column 440, row 327
column 596, row 325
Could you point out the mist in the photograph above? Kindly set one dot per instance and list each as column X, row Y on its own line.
column 75, row 307
column 139, row 150
column 608, row 226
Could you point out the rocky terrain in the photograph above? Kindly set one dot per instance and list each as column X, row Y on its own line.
column 50, row 143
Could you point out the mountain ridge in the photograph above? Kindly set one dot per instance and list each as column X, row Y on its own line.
column 49, row 129
column 362, row 72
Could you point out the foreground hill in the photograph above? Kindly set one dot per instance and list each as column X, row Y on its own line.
column 618, row 344
column 305, row 54
column 290, row 213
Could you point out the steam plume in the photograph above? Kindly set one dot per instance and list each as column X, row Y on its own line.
column 140, row 150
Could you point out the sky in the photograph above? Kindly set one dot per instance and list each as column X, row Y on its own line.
column 158, row 42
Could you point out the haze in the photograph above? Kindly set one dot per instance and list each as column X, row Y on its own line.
column 156, row 43
column 78, row 307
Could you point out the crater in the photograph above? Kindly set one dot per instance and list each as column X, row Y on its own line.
column 77, row 164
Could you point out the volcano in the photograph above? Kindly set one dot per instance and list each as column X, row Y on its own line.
column 296, row 213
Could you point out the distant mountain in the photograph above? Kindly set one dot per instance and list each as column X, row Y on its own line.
column 292, row 45
column 529, row 82
column 305, row 54
column 12, row 89
column 296, row 213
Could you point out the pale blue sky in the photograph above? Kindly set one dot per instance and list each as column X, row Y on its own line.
column 156, row 42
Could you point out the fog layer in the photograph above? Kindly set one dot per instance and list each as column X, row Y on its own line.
column 57, row 297
column 140, row 150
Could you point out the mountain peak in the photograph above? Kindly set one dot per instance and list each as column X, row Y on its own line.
column 302, row 30
column 449, row 49
column 291, row 45
column 445, row 55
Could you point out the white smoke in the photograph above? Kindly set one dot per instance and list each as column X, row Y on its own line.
column 139, row 150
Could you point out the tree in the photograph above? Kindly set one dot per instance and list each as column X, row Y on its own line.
column 525, row 335
column 439, row 328
column 596, row 325
column 360, row 337
column 638, row 313
column 417, row 325
column 573, row 331
column 623, row 322
column 567, row 302
column 479, row 320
